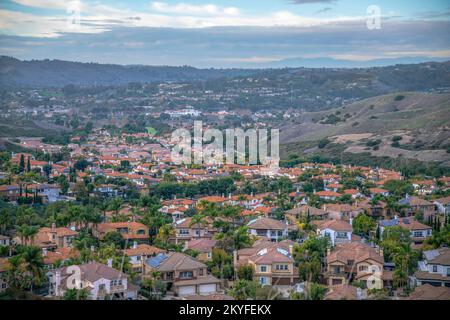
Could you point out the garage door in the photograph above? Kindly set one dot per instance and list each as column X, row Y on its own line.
column 186, row 290
column 207, row 288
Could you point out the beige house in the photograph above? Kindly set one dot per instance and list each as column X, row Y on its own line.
column 272, row 262
column 355, row 261
column 184, row 274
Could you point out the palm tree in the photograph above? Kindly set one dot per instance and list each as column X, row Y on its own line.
column 33, row 265
column 27, row 234
column 209, row 209
column 241, row 238
column 115, row 204
column 165, row 233
column 198, row 220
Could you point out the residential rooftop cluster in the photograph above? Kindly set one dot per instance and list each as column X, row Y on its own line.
column 137, row 226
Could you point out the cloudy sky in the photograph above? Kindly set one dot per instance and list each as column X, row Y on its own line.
column 223, row 33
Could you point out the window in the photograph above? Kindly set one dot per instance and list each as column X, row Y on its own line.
column 263, row 280
column 184, row 231
column 186, row 274
column 281, row 267
column 138, row 258
column 350, row 262
column 340, row 234
column 362, row 268
column 434, row 268
column 417, row 234
column 448, row 272
column 200, row 272
column 263, row 268
column 141, row 231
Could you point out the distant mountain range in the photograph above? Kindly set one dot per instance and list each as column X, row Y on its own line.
column 58, row 73
column 337, row 63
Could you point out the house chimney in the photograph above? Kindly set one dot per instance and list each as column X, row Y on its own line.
column 92, row 248
column 351, row 221
column 53, row 226
column 44, row 252
column 229, row 195
column 110, row 262
column 291, row 249
column 135, row 245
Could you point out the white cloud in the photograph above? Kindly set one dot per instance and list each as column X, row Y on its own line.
column 190, row 9
column 49, row 4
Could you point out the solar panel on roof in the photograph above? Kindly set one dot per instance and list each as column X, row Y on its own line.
column 406, row 221
column 154, row 262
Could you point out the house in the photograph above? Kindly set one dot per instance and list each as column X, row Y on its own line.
column 186, row 275
column 338, row 231
column 341, row 211
column 378, row 192
column 131, row 230
column 138, row 253
column 435, row 268
column 355, row 261
column 267, row 227
column 328, row 195
column 429, row 292
column 443, row 205
column 185, row 230
column 106, row 190
column 272, row 262
column 101, row 281
column 204, row 246
column 415, row 204
column 4, row 240
column 419, row 231
column 50, row 192
column 304, row 211
column 424, row 187
column 50, row 238
column 375, row 210
column 354, row 193
column 213, row 199
column 9, row 192
column 58, row 256
column 343, row 292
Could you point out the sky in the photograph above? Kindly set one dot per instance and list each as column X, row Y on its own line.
column 223, row 33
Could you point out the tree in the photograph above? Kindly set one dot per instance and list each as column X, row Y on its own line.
column 22, row 164
column 313, row 291
column 47, row 168
column 363, row 225
column 27, row 234
column 164, row 234
column 241, row 238
column 33, row 265
column 308, row 257
column 81, row 164
column 221, row 264
column 115, row 238
column 76, row 294
column 28, row 164
column 244, row 289
column 245, row 271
